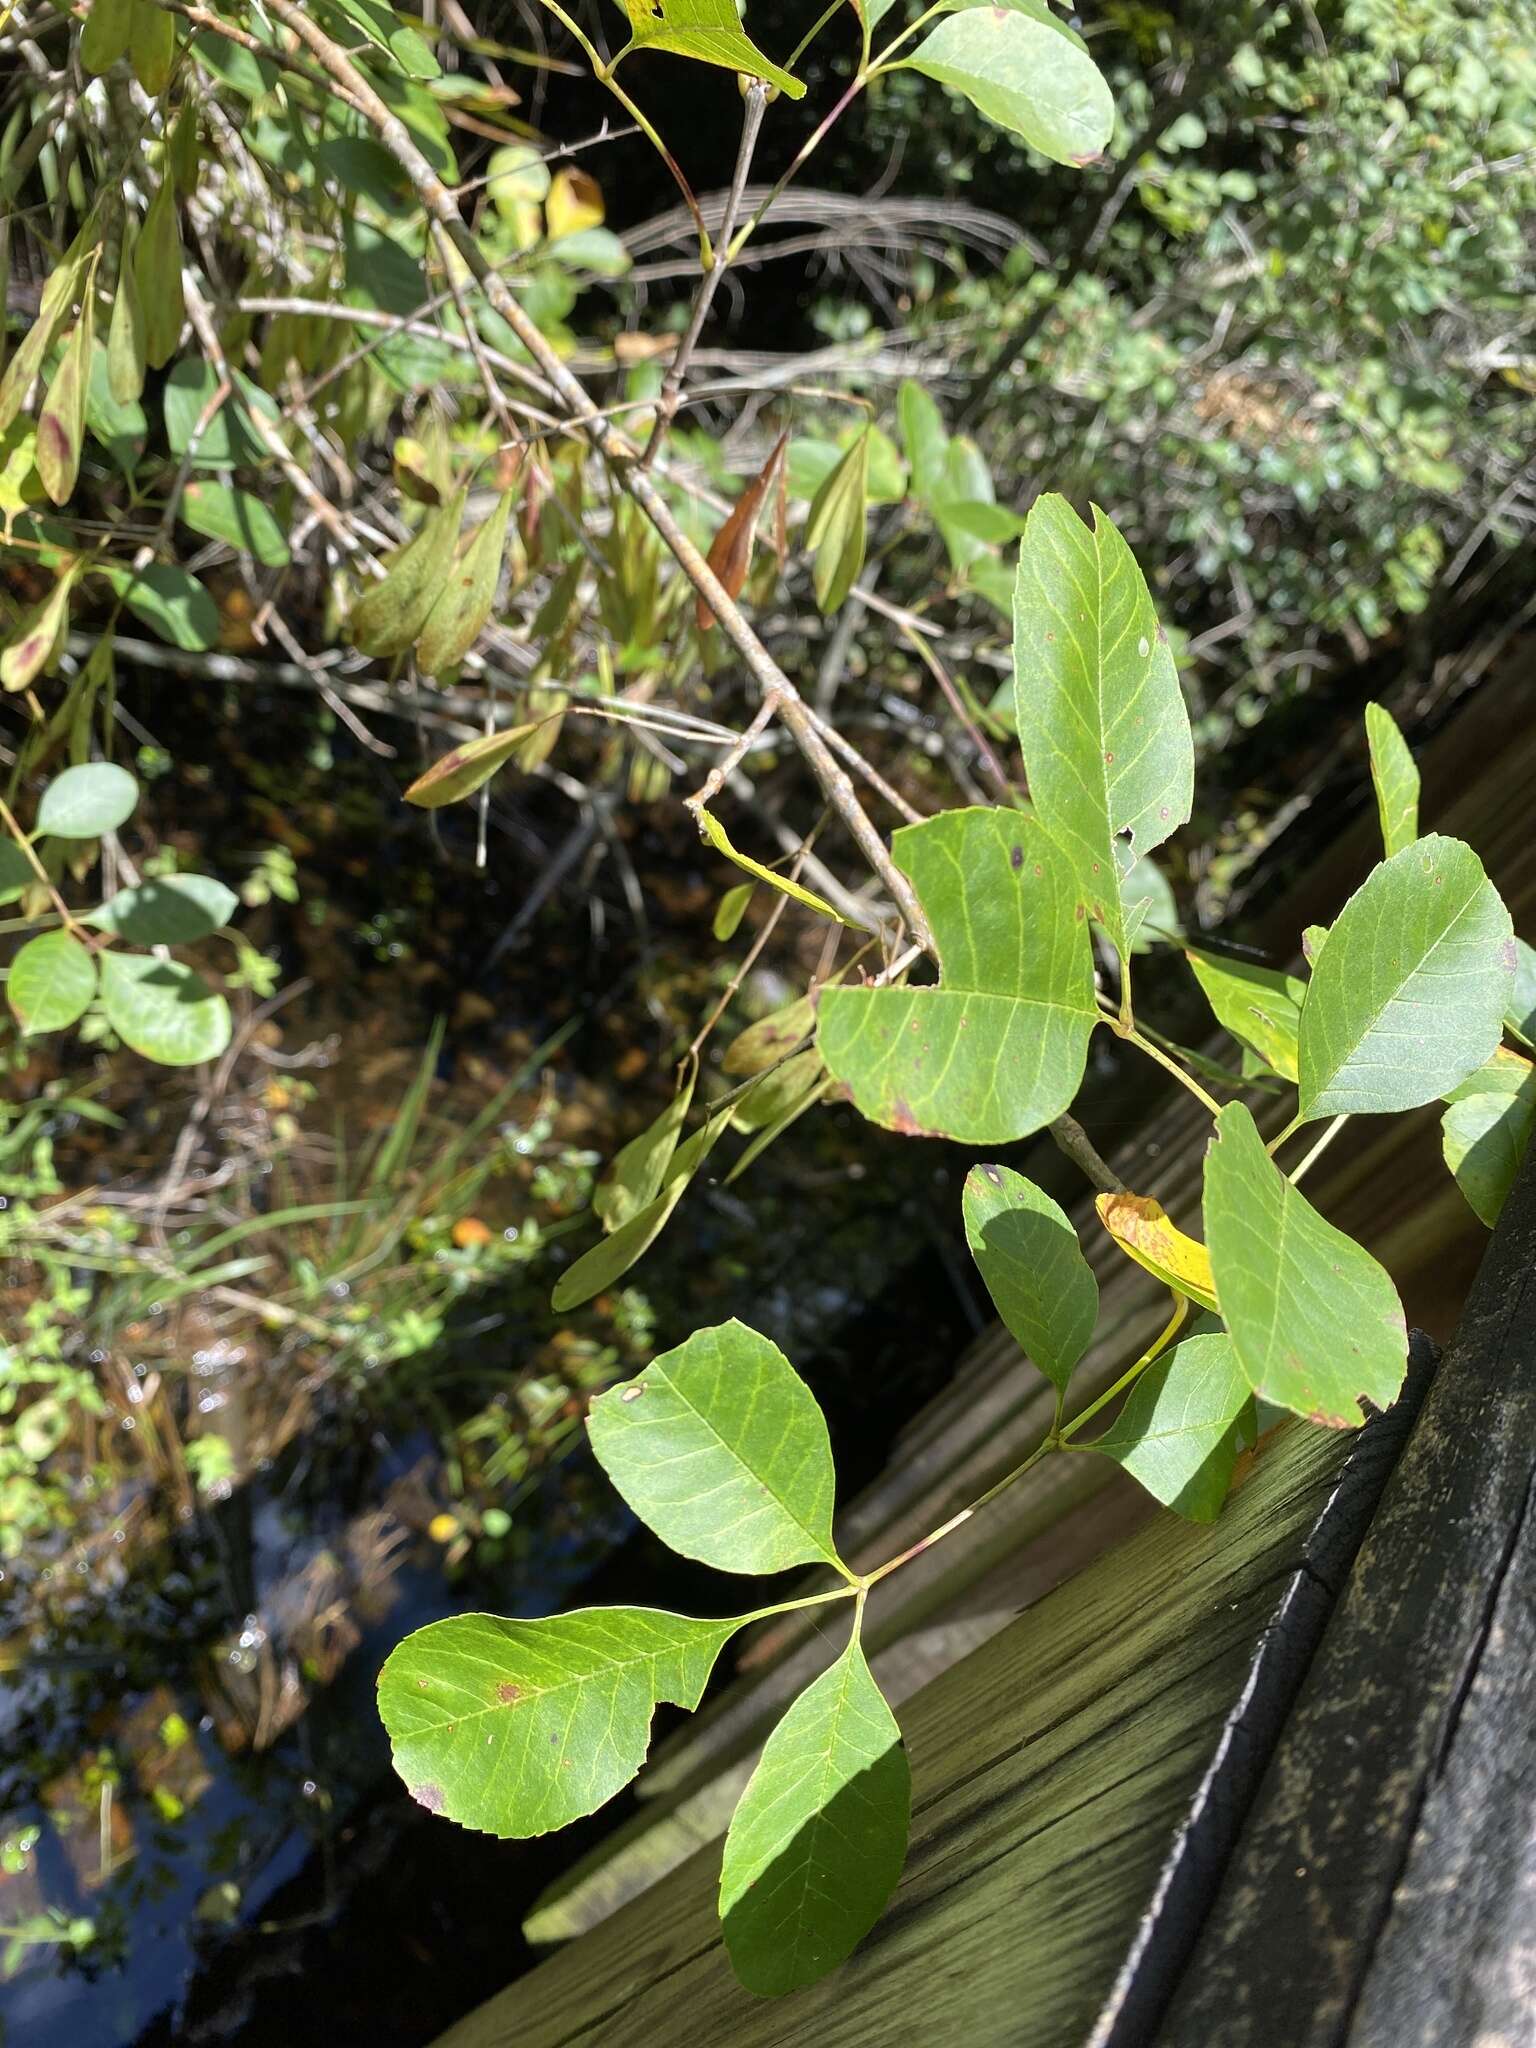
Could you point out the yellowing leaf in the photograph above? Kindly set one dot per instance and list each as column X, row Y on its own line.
column 715, row 833
column 1144, row 1232
column 709, row 31
column 388, row 618
column 575, row 202
column 59, row 295
column 461, row 773
column 835, row 526
column 61, row 423
column 32, row 649
column 464, row 605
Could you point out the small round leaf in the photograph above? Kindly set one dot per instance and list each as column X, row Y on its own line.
column 82, row 803
column 163, row 1010
column 51, row 982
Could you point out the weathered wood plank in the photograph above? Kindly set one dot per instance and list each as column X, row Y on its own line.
column 1053, row 1771
column 1389, row 1788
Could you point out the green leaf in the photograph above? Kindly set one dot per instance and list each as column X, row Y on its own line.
column 835, row 526
column 51, row 982
column 228, row 439
column 84, row 802
column 613, row 1257
column 1024, row 73
column 1101, row 718
column 770, row 1038
column 730, row 910
column 1151, row 911
column 998, row 1048
column 1486, row 1131
column 467, row 768
column 518, row 1727
column 387, row 31
column 152, row 47
column 1260, row 1008
column 1408, row 996
column 464, row 603
column 1028, row 1255
column 60, row 292
column 163, row 1010
column 1521, row 1014
column 125, row 330
column 120, row 425
column 993, row 524
column 967, row 480
column 924, row 437
column 719, row 1447
column 223, row 513
column 16, row 872
column 390, row 614
column 707, row 30
column 635, row 1176
column 1395, row 778
column 1314, row 1320
column 819, row 1836
column 104, row 37
column 170, row 910
column 715, row 833
column 157, row 273
column 169, row 600
column 777, row 1092
column 1178, row 1434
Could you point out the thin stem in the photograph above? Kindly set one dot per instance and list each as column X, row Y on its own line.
column 1132, row 1372
column 1133, row 1037
column 948, row 1528
column 985, row 752
column 1320, row 1147
column 1289, row 1132
column 853, row 1590
column 29, row 854
column 753, row 102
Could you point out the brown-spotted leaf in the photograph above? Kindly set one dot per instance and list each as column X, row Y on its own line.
column 730, row 555
column 1146, row 1233
column 462, row 772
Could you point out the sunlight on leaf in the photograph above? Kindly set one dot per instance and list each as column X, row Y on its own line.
column 718, row 838
column 1144, row 1232
column 1178, row 1434
column 1395, row 778
column 1027, row 1253
column 1261, row 1009
column 709, row 31
column 1486, row 1130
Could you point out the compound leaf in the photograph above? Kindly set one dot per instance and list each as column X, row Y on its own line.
column 1395, row 779
column 1027, row 1253
column 1178, row 1434
column 719, row 1447
column 518, row 1727
column 819, row 1836
column 998, row 1048
column 1101, row 718
column 1314, row 1320
column 1408, row 995
column 51, row 982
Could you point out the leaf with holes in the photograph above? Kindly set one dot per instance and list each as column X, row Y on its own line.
column 998, row 1048
column 1486, row 1130
column 1395, row 779
column 518, row 1727
column 719, row 1447
column 51, row 982
column 1314, row 1320
column 1179, row 1433
column 818, row 1838
column 1028, row 73
column 1101, row 718
column 163, row 1009
column 1408, row 995
column 709, row 31
column 1027, row 1253
column 1146, row 1233
column 1261, row 1009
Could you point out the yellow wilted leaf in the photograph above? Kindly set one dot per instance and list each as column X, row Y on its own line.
column 33, row 646
column 715, row 833
column 464, row 604
column 730, row 554
column 1143, row 1230
column 575, row 202
column 461, row 773
column 59, row 295
column 388, row 618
